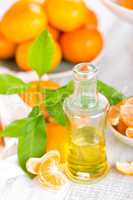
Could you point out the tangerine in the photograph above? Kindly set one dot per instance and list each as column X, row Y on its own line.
column 66, row 15
column 7, row 48
column 82, row 44
column 33, row 96
column 54, row 32
column 23, row 21
column 121, row 127
column 114, row 115
column 57, row 139
column 91, row 19
column 127, row 114
column 57, row 57
column 34, row 1
column 22, row 56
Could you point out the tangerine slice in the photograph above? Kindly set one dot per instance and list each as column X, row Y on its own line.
column 121, row 127
column 129, row 132
column 125, row 168
column 50, row 174
column 114, row 115
column 32, row 165
column 126, row 112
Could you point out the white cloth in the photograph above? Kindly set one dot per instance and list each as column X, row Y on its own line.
column 14, row 184
column 116, row 68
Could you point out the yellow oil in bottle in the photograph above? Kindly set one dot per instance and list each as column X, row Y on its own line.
column 87, row 155
column 86, row 110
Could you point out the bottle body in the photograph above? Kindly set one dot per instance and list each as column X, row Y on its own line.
column 86, row 160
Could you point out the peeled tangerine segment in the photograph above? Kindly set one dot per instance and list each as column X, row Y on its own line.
column 129, row 132
column 127, row 114
column 114, row 115
column 50, row 174
column 125, row 168
column 33, row 164
column 48, row 169
column 121, row 127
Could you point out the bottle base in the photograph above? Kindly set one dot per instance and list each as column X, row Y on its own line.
column 84, row 178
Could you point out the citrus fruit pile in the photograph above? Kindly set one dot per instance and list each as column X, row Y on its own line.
column 121, row 117
column 72, row 25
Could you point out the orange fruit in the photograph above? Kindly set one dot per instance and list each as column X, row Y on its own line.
column 126, row 3
column 81, row 45
column 33, row 96
column 125, row 168
column 121, row 127
column 57, row 57
column 91, row 19
column 66, row 15
column 57, row 139
column 48, row 169
column 54, row 32
column 22, row 56
column 34, row 1
column 23, row 21
column 129, row 132
column 114, row 115
column 7, row 48
column 127, row 114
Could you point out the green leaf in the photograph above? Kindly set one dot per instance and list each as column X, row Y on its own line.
column 31, row 133
column 11, row 85
column 33, row 142
column 16, row 128
column 54, row 102
column 54, row 99
column 113, row 95
column 41, row 53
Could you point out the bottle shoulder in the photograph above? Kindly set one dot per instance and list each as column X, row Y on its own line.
column 72, row 107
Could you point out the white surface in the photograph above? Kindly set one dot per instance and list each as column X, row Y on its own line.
column 116, row 67
column 15, row 185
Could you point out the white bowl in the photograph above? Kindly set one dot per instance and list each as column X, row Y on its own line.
column 122, row 138
column 120, row 11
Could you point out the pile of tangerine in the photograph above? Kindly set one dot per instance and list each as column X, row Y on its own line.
column 72, row 25
column 121, row 117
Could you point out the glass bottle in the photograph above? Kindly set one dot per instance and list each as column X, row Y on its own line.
column 86, row 110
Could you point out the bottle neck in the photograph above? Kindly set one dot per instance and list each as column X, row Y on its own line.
column 85, row 93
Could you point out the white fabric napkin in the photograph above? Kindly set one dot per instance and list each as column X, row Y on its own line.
column 14, row 184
